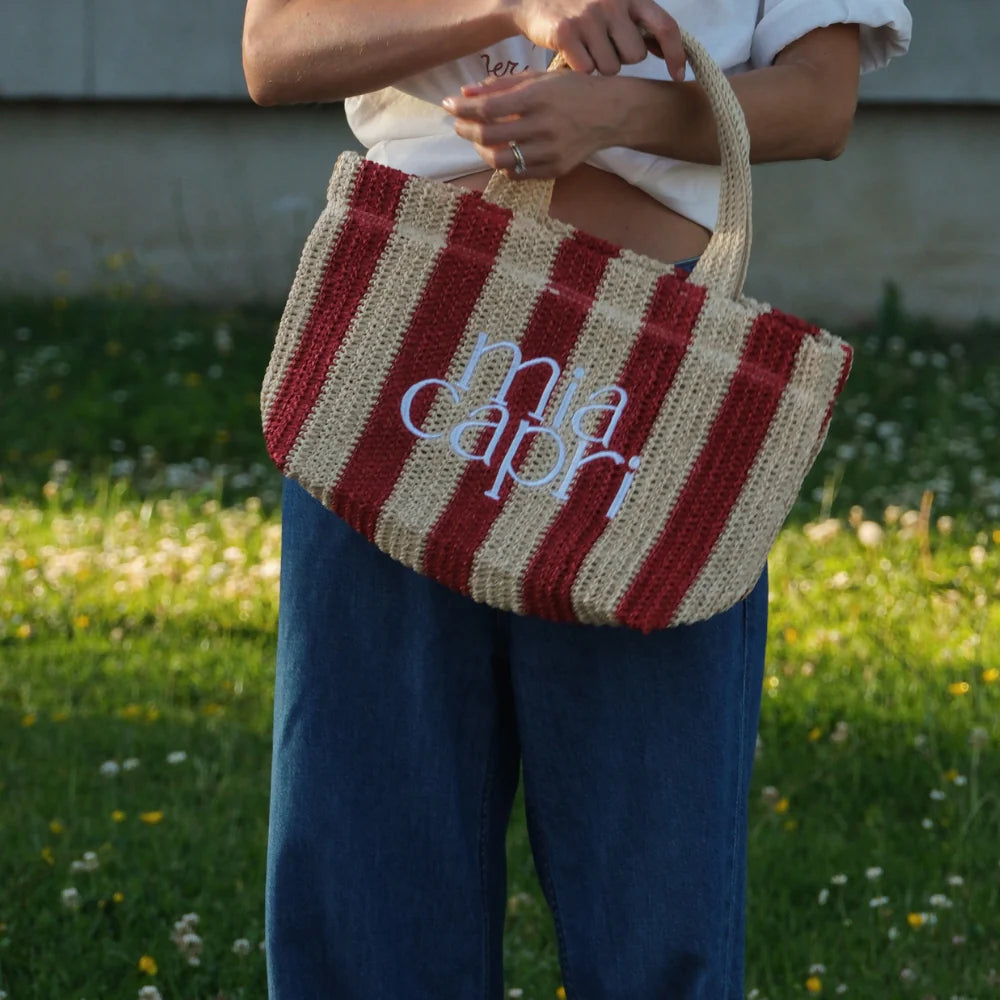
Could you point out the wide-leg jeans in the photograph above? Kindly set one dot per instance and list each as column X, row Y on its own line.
column 403, row 713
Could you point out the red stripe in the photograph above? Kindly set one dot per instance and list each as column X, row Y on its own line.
column 350, row 265
column 659, row 349
column 719, row 473
column 434, row 332
column 552, row 331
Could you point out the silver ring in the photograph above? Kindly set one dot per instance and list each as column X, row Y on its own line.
column 519, row 164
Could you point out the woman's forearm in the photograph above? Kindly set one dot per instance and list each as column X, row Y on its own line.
column 324, row 50
column 788, row 117
column 800, row 108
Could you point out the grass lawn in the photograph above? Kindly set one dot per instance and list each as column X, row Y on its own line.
column 139, row 547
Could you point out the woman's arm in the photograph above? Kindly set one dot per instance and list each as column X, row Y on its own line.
column 325, row 50
column 802, row 107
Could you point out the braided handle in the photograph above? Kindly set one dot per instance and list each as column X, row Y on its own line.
column 723, row 265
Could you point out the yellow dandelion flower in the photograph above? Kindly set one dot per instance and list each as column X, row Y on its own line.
column 996, row 536
column 61, row 716
column 950, row 775
column 81, row 621
column 56, row 827
column 781, row 806
column 959, row 687
column 814, row 984
column 153, row 817
column 791, row 635
column 118, row 815
column 118, row 897
column 28, row 562
column 29, row 720
column 814, row 734
column 772, row 683
column 152, row 713
column 148, row 965
column 915, row 919
column 47, row 855
column 991, row 676
column 131, row 711
column 23, row 631
column 561, row 993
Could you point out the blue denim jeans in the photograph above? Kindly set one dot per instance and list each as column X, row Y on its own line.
column 403, row 713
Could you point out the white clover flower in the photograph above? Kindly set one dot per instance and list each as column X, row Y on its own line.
column 873, row 873
column 110, row 768
column 150, row 993
column 71, row 898
column 130, row 763
column 960, row 780
column 937, row 795
column 892, row 933
column 817, row 969
column 919, row 741
column 241, row 946
column 927, row 823
column 824, row 895
column 908, row 975
column 515, row 991
column 770, row 794
column 841, row 988
column 955, row 880
column 838, row 879
column 840, row 732
column 89, row 863
column 176, row 757
column 754, row 994
column 978, row 738
column 878, row 901
column 940, row 900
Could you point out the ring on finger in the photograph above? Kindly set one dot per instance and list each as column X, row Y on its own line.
column 519, row 165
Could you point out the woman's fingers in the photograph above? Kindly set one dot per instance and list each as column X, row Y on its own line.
column 652, row 20
column 602, row 35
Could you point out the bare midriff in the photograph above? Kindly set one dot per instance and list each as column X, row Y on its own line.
column 603, row 204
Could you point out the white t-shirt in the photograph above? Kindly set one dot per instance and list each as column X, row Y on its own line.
column 405, row 127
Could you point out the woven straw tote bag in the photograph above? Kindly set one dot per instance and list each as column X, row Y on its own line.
column 537, row 418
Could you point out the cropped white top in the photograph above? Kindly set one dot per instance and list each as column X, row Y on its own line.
column 405, row 127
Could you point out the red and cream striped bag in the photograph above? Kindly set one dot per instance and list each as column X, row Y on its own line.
column 535, row 417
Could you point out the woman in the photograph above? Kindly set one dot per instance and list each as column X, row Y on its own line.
column 403, row 710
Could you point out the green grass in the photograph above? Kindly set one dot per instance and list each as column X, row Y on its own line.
column 139, row 546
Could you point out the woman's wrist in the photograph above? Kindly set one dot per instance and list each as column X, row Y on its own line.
column 664, row 118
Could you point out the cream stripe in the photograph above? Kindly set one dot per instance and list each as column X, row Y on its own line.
column 771, row 487
column 432, row 471
column 602, row 349
column 306, row 283
column 369, row 349
column 677, row 437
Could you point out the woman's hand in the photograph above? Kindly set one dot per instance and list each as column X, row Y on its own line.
column 558, row 119
column 601, row 34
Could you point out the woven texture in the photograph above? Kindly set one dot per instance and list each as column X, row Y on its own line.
column 535, row 417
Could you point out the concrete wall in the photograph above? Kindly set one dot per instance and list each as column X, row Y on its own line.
column 126, row 127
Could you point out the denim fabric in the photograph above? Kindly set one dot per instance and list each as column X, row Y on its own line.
column 402, row 715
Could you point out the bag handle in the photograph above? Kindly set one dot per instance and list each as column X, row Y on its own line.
column 723, row 265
